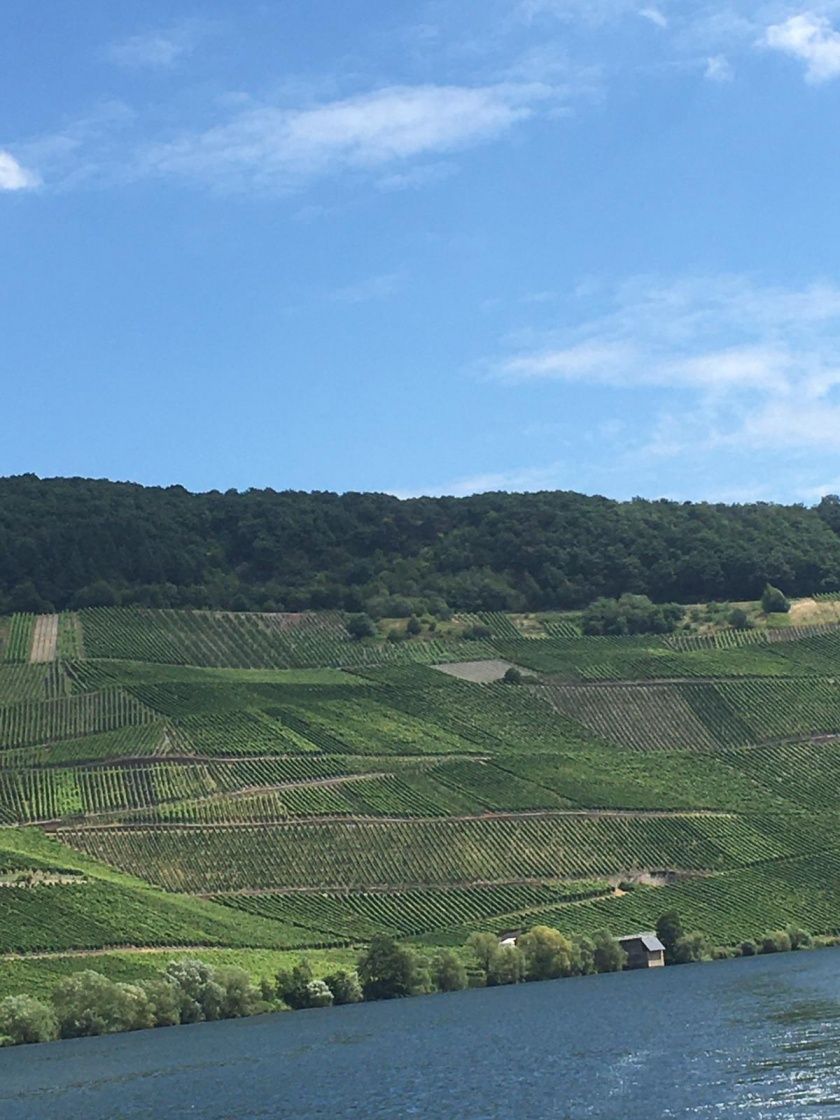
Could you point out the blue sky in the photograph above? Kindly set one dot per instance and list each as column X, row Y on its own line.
column 423, row 247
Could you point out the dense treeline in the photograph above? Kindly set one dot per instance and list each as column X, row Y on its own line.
column 80, row 542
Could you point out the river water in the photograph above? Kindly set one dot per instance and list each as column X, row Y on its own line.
column 741, row 1040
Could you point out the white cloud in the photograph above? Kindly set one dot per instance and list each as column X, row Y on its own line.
column 91, row 149
column 372, row 288
column 588, row 11
column 715, row 332
column 811, row 39
column 271, row 146
column 605, row 362
column 158, row 49
column 777, row 424
column 421, row 176
column 396, row 137
column 625, row 365
column 659, row 19
column 748, row 364
column 718, row 69
column 545, row 477
column 14, row 177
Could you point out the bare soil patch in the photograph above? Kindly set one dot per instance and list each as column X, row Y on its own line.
column 44, row 639
column 479, row 672
column 810, row 612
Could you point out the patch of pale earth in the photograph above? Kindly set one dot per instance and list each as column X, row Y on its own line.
column 44, row 639
column 29, row 879
column 624, row 881
column 810, row 612
column 479, row 672
column 528, row 625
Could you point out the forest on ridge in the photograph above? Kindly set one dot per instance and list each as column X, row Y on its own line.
column 68, row 543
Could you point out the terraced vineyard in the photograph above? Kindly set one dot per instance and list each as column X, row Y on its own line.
column 267, row 782
column 339, row 855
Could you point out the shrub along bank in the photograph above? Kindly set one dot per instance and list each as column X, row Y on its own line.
column 192, row 991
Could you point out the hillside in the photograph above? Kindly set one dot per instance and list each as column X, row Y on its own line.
column 261, row 783
column 73, row 543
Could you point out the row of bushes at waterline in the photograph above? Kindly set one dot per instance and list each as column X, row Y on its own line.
column 389, row 970
column 682, row 947
column 88, row 1003
column 192, row 991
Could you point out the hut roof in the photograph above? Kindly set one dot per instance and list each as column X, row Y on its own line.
column 650, row 941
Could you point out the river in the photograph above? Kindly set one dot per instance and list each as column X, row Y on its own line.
column 747, row 1039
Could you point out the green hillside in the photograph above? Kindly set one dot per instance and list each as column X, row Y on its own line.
column 256, row 784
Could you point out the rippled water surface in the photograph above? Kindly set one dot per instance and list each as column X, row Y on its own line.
column 748, row 1039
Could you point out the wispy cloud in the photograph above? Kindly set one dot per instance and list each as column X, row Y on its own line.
column 369, row 289
column 713, row 32
column 801, row 423
column 93, row 149
column 271, row 146
column 588, row 11
column 759, row 363
column 160, row 48
column 654, row 16
column 396, row 137
column 413, row 178
column 13, row 176
column 718, row 68
column 810, row 38
column 544, row 477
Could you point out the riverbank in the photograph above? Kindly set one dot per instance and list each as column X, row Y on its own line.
column 135, row 995
column 750, row 1038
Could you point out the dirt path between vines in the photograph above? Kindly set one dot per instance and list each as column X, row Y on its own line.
column 290, row 822
column 44, row 639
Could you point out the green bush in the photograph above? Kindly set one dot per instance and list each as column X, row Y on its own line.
column 548, row 954
column 360, row 626
column 164, row 999
column 691, row 947
column 774, row 601
column 739, row 619
column 609, row 954
column 345, row 987
column 799, row 938
column 583, row 956
column 318, row 994
column 477, row 632
column 292, row 986
column 669, row 930
column 448, row 972
column 88, row 1003
column 631, row 614
column 24, row 1019
column 240, row 995
column 202, row 997
column 507, row 966
column 776, row 942
column 390, row 971
column 484, row 948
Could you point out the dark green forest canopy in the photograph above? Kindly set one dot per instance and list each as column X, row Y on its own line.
column 79, row 542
